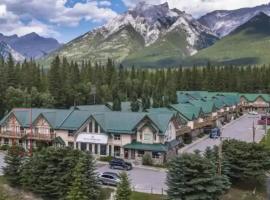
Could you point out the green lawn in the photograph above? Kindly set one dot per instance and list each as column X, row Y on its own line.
column 266, row 140
column 244, row 191
column 144, row 196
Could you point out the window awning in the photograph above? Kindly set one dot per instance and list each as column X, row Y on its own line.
column 147, row 147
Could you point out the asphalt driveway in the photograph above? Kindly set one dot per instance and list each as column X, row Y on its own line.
column 143, row 180
column 240, row 129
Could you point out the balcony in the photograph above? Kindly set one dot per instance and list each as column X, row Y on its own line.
column 41, row 136
column 23, row 134
column 11, row 134
column 206, row 122
column 182, row 130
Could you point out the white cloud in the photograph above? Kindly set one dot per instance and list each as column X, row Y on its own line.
column 44, row 16
column 105, row 3
column 199, row 7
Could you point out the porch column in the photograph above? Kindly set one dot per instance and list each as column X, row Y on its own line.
column 93, row 148
column 112, row 150
column 107, row 150
column 98, row 149
column 79, row 145
column 87, row 146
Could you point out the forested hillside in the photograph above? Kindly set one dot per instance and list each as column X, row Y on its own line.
column 67, row 83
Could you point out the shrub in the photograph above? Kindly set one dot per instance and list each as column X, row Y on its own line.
column 105, row 158
column 147, row 159
column 4, row 147
column 187, row 138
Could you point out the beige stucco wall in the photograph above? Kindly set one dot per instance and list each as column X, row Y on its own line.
column 64, row 135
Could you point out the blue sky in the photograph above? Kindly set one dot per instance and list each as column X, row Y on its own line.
column 67, row 19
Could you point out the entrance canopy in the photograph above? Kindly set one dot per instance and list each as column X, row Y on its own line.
column 92, row 138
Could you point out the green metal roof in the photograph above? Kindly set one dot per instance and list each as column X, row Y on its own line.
column 253, row 97
column 147, row 147
column 161, row 110
column 207, row 106
column 189, row 111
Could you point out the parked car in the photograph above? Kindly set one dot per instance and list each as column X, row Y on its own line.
column 253, row 113
column 109, row 178
column 118, row 163
column 215, row 133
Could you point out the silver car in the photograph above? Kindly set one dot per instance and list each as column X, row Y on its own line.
column 109, row 178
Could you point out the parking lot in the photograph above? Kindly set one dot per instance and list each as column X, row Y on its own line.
column 239, row 129
column 143, row 180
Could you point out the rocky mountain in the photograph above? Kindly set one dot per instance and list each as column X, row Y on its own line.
column 31, row 45
column 222, row 22
column 155, row 34
column 5, row 50
column 247, row 44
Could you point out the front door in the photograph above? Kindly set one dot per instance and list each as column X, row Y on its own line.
column 126, row 153
column 132, row 154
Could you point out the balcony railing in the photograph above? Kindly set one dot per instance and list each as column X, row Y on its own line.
column 206, row 122
column 41, row 136
column 182, row 130
column 33, row 136
column 11, row 134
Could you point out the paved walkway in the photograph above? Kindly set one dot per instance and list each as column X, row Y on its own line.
column 2, row 164
column 239, row 129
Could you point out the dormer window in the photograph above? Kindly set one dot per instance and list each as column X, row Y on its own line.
column 96, row 127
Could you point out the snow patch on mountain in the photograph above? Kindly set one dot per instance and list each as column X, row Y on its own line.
column 223, row 22
column 5, row 50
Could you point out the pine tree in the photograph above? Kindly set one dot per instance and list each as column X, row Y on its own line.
column 13, row 162
column 135, row 106
column 78, row 189
column 123, row 191
column 192, row 176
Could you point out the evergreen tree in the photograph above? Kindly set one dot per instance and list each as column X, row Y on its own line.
column 123, row 191
column 135, row 106
column 13, row 161
column 191, row 176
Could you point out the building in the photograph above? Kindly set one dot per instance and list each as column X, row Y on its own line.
column 122, row 134
column 255, row 102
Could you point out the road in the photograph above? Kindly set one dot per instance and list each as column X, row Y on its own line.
column 240, row 129
column 143, row 180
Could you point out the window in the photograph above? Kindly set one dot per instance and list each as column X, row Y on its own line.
column 6, row 141
column 90, row 127
column 116, row 151
column 70, row 133
column 96, row 127
column 96, row 149
column 156, row 155
column 71, row 144
column 85, row 130
column 103, row 150
column 140, row 153
column 83, row 146
column 117, row 137
column 155, row 137
column 140, row 136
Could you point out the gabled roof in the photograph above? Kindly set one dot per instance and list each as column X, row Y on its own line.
column 188, row 111
column 207, row 106
column 254, row 97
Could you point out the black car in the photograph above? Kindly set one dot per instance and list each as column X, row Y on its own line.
column 117, row 163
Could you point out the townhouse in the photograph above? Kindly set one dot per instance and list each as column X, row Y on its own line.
column 103, row 132
column 89, row 128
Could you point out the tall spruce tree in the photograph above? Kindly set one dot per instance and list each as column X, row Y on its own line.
column 13, row 161
column 123, row 191
column 191, row 176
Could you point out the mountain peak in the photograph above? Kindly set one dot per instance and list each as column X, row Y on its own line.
column 259, row 24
